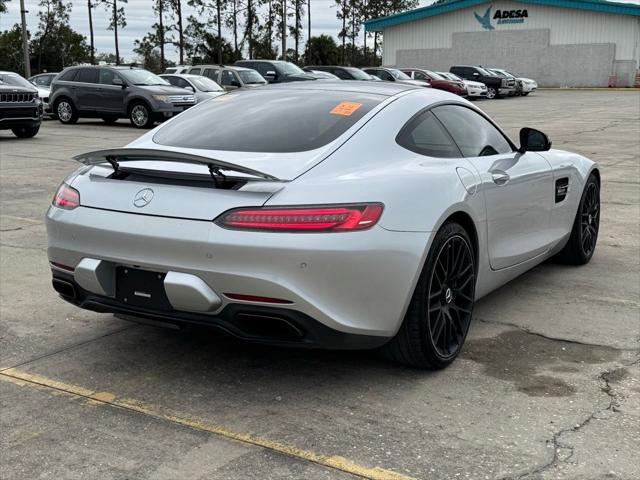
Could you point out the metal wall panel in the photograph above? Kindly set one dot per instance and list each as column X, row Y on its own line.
column 567, row 27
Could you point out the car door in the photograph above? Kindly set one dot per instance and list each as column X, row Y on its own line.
column 87, row 89
column 518, row 188
column 111, row 97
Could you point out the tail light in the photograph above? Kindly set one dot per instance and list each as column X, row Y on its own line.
column 330, row 218
column 66, row 197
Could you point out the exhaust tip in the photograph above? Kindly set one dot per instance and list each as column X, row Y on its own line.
column 66, row 289
column 259, row 325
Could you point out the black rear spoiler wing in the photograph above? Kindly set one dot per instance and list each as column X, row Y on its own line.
column 115, row 156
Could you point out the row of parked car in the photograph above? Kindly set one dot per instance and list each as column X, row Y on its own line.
column 113, row 92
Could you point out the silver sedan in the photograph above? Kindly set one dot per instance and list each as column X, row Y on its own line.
column 203, row 87
column 321, row 214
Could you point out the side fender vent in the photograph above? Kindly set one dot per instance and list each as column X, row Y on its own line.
column 562, row 187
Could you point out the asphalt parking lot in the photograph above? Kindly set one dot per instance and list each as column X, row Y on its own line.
column 548, row 384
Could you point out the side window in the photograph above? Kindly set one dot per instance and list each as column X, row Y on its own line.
column 261, row 67
column 173, row 81
column 106, row 76
column 420, row 76
column 212, row 73
column 228, row 77
column 182, row 83
column 69, row 75
column 195, row 71
column 43, row 80
column 425, row 135
column 87, row 75
column 341, row 74
column 474, row 134
column 385, row 76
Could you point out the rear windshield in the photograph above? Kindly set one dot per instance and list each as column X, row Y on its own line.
column 266, row 120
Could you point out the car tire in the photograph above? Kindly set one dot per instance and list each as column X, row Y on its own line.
column 491, row 93
column 66, row 111
column 524, row 94
column 26, row 132
column 584, row 233
column 110, row 120
column 140, row 115
column 437, row 320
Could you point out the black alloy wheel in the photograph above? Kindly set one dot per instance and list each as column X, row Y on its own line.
column 436, row 323
column 450, row 301
column 584, row 234
column 590, row 219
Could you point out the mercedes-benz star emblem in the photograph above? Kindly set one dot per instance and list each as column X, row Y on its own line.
column 143, row 197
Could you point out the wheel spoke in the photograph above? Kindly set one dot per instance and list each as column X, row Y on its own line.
column 438, row 327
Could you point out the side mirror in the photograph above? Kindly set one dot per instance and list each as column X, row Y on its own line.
column 532, row 140
column 476, row 74
column 270, row 75
column 119, row 82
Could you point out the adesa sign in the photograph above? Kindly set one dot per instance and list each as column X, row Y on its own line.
column 501, row 17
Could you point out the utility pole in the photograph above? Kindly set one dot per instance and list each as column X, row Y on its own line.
column 219, row 33
column 115, row 29
column 25, row 41
column 308, row 20
column 284, row 30
column 93, row 50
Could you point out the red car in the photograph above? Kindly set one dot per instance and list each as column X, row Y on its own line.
column 437, row 81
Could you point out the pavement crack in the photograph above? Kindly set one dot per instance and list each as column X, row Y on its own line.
column 556, row 441
column 554, row 339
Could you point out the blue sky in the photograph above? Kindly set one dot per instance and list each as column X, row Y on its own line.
column 140, row 19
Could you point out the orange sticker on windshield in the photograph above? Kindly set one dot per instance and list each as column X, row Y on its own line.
column 345, row 108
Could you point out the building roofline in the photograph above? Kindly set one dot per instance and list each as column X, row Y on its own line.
column 378, row 24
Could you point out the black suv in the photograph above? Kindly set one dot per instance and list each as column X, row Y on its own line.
column 277, row 71
column 343, row 73
column 20, row 107
column 496, row 86
column 111, row 93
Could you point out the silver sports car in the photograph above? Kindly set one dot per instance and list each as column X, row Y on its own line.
column 333, row 215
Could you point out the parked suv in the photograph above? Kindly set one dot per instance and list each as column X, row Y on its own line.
column 277, row 71
column 20, row 106
column 496, row 86
column 111, row 93
column 229, row 78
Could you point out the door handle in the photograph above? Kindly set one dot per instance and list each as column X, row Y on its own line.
column 500, row 177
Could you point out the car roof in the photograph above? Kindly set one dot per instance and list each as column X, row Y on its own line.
column 182, row 75
column 387, row 89
column 230, row 67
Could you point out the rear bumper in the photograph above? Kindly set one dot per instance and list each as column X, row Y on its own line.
column 252, row 323
column 355, row 283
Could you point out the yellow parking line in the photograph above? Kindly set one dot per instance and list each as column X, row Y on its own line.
column 106, row 398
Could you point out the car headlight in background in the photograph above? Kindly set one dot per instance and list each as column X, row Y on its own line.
column 161, row 98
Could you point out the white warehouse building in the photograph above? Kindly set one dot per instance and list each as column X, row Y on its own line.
column 560, row 43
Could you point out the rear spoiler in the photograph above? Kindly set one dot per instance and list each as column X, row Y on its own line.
column 115, row 156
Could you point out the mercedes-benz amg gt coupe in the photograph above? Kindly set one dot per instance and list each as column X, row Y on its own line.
column 323, row 214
